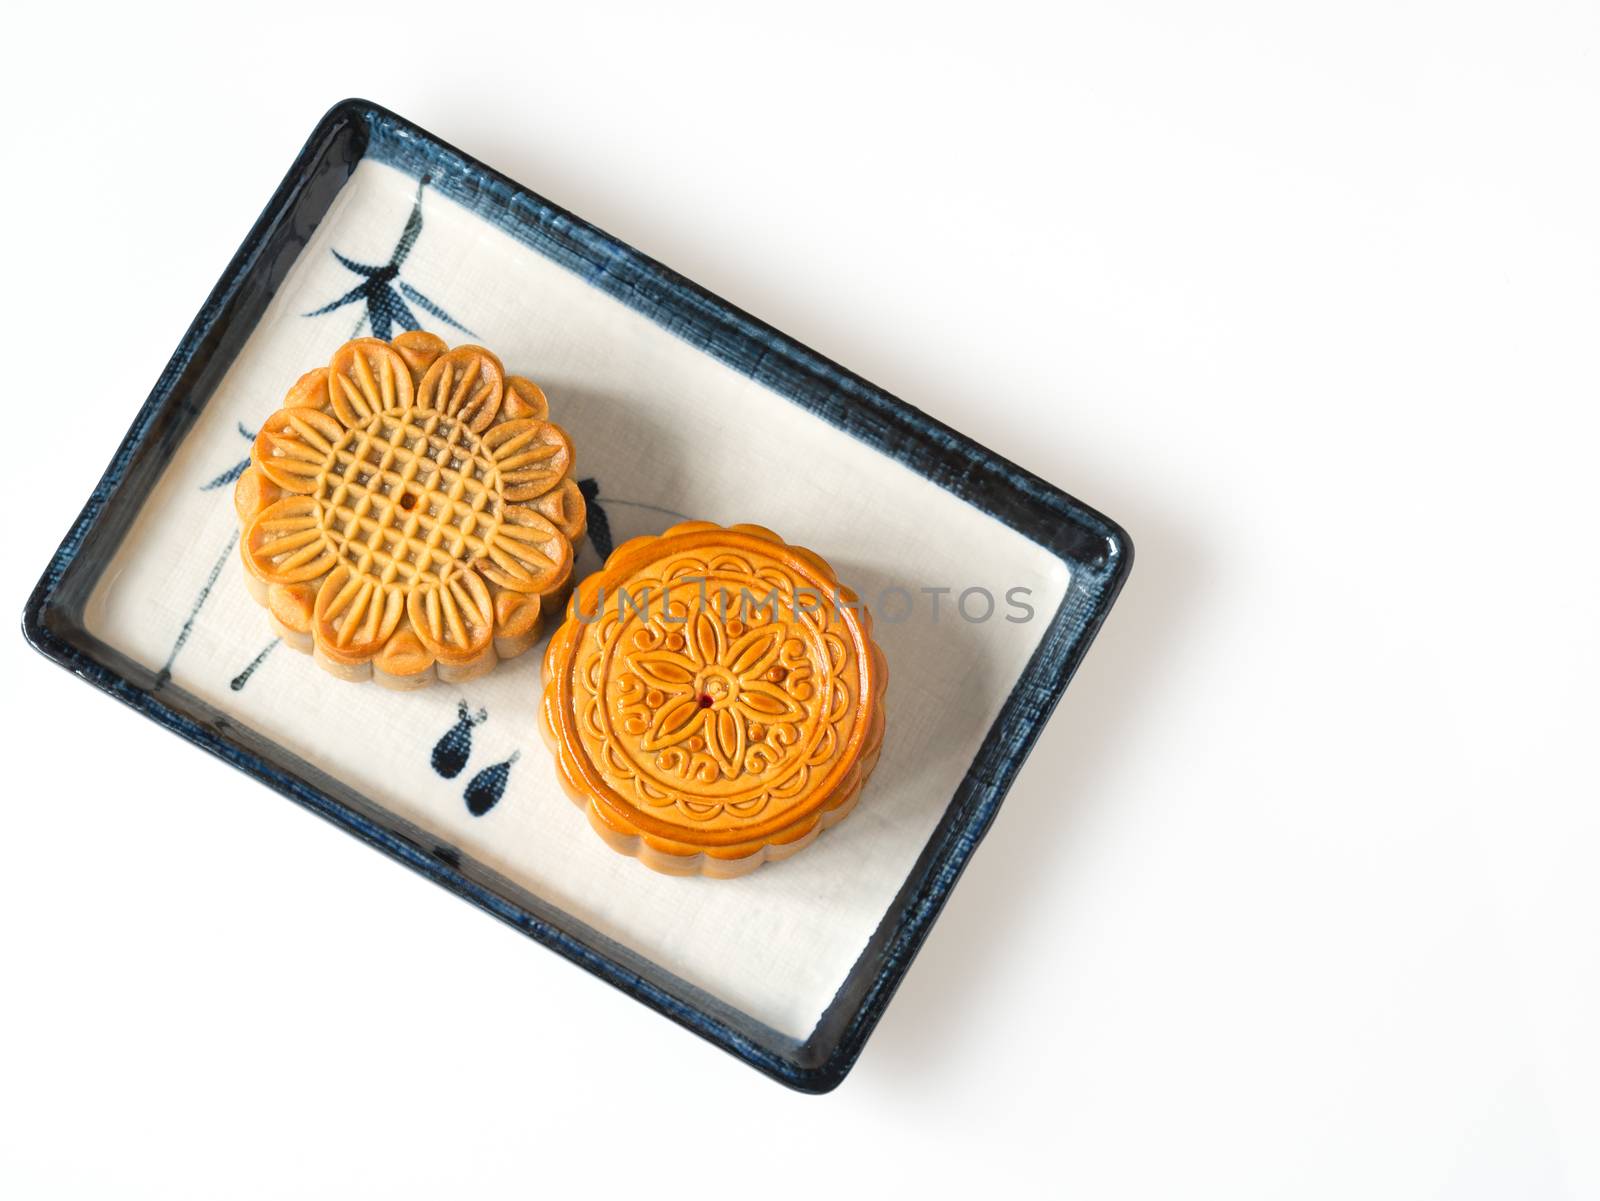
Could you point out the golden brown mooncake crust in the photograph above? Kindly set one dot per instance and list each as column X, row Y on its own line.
column 410, row 514
column 714, row 732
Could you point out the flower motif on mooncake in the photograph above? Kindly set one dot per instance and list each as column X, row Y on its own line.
column 720, row 688
column 714, row 698
column 410, row 512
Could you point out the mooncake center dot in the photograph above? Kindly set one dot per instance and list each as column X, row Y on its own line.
column 448, row 491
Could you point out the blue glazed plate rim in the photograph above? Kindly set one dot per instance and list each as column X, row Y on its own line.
column 1097, row 552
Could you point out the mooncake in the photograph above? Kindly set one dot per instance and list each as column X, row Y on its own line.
column 410, row 513
column 714, row 698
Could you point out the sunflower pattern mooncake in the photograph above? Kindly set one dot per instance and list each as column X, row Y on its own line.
column 714, row 698
column 410, row 512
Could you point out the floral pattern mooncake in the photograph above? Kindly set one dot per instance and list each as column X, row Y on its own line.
column 714, row 698
column 410, row 513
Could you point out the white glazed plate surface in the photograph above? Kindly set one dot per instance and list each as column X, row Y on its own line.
column 662, row 431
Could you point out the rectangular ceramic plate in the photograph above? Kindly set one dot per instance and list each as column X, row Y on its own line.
column 679, row 405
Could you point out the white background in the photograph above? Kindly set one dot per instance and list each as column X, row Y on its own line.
column 1298, row 894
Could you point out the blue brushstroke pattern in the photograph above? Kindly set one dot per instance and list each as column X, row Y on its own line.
column 488, row 786
column 382, row 288
column 599, row 523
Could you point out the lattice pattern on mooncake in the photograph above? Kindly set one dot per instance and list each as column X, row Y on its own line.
column 409, row 512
